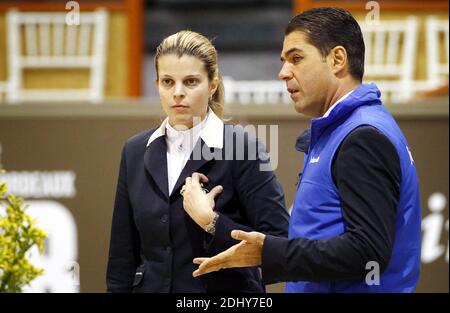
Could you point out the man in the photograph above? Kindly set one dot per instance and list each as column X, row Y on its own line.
column 357, row 206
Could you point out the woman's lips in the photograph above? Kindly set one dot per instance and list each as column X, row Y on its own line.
column 179, row 106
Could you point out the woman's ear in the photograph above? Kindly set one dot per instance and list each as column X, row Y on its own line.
column 213, row 86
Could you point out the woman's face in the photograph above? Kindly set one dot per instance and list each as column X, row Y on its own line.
column 184, row 89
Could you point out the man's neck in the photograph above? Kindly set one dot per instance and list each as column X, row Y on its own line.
column 341, row 90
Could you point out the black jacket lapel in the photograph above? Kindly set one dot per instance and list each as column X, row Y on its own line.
column 192, row 165
column 155, row 161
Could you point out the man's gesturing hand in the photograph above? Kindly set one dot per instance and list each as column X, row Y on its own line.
column 246, row 253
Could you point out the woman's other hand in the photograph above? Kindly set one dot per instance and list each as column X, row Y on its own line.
column 197, row 202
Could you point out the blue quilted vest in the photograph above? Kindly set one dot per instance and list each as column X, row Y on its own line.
column 317, row 212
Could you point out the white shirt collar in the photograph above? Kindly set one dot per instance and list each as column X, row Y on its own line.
column 211, row 131
column 174, row 135
column 183, row 140
column 336, row 103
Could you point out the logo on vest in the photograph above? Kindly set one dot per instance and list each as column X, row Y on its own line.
column 314, row 160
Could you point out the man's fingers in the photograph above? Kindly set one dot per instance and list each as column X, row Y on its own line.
column 200, row 260
column 242, row 235
column 199, row 272
column 209, row 265
column 196, row 273
column 216, row 191
column 220, row 261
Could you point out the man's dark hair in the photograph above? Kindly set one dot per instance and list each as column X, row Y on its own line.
column 326, row 28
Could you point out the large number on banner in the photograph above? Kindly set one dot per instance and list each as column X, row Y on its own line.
column 61, row 248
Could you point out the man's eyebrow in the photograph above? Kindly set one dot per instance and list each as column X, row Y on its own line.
column 289, row 52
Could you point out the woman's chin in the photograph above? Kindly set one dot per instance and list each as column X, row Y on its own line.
column 185, row 121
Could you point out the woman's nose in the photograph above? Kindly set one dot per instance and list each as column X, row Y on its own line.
column 179, row 91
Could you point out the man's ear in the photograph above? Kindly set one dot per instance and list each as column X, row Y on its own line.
column 338, row 60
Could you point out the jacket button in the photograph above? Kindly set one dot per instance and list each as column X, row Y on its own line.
column 164, row 218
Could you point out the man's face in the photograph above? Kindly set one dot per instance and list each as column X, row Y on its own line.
column 307, row 74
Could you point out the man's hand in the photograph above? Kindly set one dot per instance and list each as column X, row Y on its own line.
column 246, row 253
column 198, row 204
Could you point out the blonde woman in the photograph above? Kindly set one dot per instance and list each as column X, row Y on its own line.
column 153, row 238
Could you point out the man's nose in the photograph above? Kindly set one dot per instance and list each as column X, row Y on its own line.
column 285, row 73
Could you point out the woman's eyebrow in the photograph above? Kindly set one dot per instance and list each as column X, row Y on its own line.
column 193, row 75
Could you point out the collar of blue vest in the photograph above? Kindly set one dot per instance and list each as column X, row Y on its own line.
column 364, row 94
column 302, row 143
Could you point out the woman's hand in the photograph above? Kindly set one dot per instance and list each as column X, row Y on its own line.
column 196, row 202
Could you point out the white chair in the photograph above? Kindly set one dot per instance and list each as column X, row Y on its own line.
column 255, row 92
column 437, row 62
column 390, row 57
column 49, row 43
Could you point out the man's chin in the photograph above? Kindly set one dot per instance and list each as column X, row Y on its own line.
column 299, row 107
column 304, row 109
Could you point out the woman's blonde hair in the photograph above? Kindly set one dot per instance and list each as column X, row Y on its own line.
column 193, row 44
